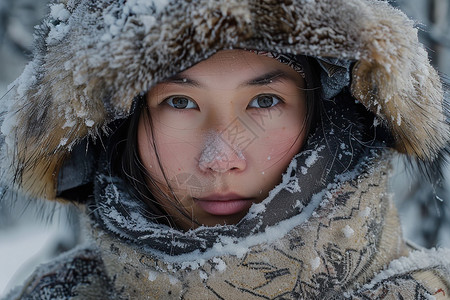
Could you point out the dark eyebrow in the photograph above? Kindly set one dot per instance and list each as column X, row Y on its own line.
column 179, row 79
column 274, row 76
column 267, row 78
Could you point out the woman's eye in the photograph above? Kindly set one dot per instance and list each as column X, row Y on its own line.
column 264, row 101
column 181, row 102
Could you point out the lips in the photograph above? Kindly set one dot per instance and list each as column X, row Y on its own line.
column 224, row 204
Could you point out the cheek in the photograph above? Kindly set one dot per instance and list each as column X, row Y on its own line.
column 282, row 137
column 175, row 147
column 277, row 147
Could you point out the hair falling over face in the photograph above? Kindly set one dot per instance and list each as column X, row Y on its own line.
column 129, row 167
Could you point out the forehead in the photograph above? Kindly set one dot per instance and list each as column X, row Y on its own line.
column 236, row 61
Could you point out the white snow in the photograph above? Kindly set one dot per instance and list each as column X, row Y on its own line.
column 364, row 213
column 140, row 6
column 220, row 264
column 192, row 265
column 89, row 123
column 376, row 122
column 423, row 259
column 57, row 33
column 315, row 263
column 216, row 149
column 63, row 142
column 133, row 220
column 203, row 275
column 148, row 22
column 116, row 20
column 59, row 12
column 152, row 275
column 304, row 170
column 293, row 186
column 70, row 122
column 109, row 19
column 348, row 231
column 311, row 159
column 399, row 119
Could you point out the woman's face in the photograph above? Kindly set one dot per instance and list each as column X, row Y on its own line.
column 224, row 130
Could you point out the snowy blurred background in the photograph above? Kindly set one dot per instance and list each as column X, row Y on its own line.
column 32, row 233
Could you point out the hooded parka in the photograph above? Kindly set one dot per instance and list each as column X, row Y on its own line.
column 329, row 230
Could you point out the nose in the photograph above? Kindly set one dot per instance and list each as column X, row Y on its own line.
column 220, row 157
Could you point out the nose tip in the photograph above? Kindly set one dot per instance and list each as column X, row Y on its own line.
column 220, row 157
column 222, row 161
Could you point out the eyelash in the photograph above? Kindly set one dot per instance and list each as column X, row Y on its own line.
column 193, row 105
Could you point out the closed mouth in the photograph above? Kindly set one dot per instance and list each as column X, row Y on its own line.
column 224, row 204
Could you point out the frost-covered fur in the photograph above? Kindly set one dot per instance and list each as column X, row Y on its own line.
column 94, row 57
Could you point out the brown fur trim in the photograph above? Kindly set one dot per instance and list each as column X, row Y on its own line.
column 397, row 83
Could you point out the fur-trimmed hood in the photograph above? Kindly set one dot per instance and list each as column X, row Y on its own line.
column 93, row 57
